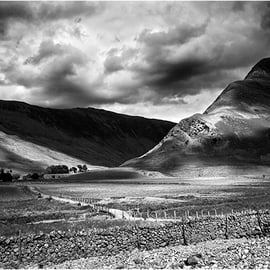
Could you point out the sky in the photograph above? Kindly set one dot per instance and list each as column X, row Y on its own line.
column 165, row 60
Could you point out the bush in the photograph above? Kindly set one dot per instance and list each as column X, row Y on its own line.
column 16, row 176
column 73, row 169
column 35, row 176
column 82, row 168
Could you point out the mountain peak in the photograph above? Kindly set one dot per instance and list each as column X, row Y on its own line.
column 260, row 70
column 233, row 131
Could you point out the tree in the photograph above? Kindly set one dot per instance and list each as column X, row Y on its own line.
column 35, row 176
column 84, row 167
column 16, row 176
column 73, row 169
column 80, row 168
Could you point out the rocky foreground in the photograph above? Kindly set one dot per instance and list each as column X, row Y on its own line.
column 232, row 253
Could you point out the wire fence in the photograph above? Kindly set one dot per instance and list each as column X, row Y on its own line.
column 171, row 214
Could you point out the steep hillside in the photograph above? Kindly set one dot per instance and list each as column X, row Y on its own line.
column 234, row 131
column 34, row 137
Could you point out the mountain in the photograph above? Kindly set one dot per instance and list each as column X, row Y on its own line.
column 33, row 137
column 233, row 134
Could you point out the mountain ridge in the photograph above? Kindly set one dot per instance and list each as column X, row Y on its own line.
column 234, row 129
column 88, row 135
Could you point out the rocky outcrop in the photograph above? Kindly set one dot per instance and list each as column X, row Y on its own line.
column 234, row 130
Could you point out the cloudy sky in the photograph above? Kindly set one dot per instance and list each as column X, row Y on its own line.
column 164, row 60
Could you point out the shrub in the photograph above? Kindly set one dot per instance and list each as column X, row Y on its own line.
column 16, row 176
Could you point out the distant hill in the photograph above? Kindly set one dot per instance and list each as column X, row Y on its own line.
column 233, row 133
column 33, row 137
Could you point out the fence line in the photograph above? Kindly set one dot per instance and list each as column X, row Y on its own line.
column 159, row 215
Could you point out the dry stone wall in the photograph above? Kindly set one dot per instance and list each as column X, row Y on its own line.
column 58, row 246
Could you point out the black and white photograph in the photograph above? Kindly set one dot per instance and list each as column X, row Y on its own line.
column 134, row 135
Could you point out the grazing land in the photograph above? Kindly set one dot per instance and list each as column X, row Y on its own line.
column 171, row 194
column 21, row 209
column 40, row 216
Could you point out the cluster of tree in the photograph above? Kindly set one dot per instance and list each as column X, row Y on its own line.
column 82, row 168
column 6, row 176
column 79, row 168
column 57, row 169
column 32, row 176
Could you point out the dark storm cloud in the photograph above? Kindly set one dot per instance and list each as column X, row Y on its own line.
column 265, row 19
column 47, row 11
column 13, row 10
column 160, row 53
column 191, row 75
column 65, row 10
column 170, row 68
column 60, row 80
column 239, row 6
column 16, row 10
column 60, row 85
column 39, row 12
column 164, row 73
column 112, row 64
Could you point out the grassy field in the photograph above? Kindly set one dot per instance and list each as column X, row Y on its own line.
column 9, row 192
column 19, row 207
column 177, row 194
column 106, row 173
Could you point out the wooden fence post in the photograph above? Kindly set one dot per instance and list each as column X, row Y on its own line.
column 165, row 215
column 20, row 248
column 215, row 212
column 260, row 222
column 226, row 227
column 185, row 242
column 174, row 214
column 202, row 213
column 156, row 216
column 197, row 215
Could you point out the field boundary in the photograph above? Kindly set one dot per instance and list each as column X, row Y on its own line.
column 58, row 246
column 154, row 216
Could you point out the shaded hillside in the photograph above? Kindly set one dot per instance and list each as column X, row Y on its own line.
column 32, row 135
column 234, row 130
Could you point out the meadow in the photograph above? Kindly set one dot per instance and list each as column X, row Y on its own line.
column 221, row 194
column 20, row 209
column 25, row 211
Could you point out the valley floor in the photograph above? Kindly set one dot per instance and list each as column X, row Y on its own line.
column 213, row 194
column 22, row 209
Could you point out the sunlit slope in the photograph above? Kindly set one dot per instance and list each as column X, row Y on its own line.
column 25, row 156
column 234, row 130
